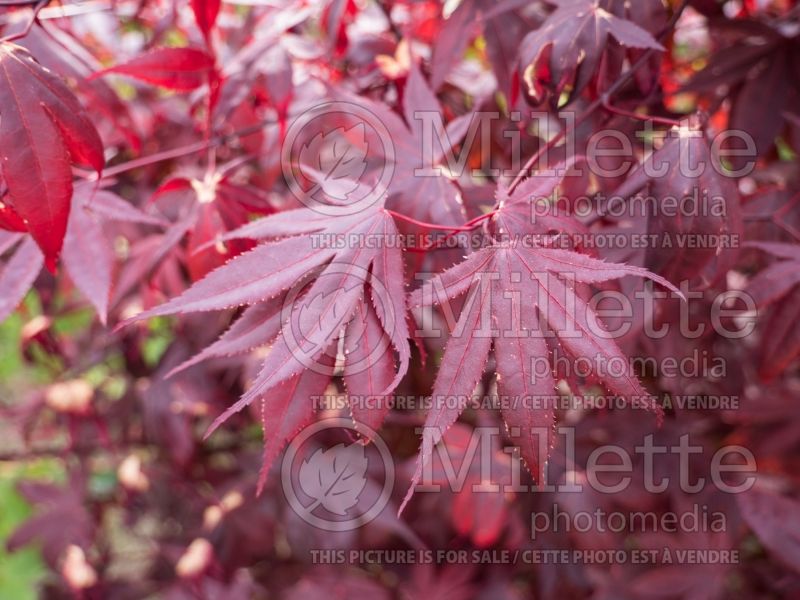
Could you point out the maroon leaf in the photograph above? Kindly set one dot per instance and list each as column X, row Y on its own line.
column 708, row 204
column 42, row 129
column 180, row 69
column 774, row 520
column 88, row 258
column 502, row 280
column 758, row 57
column 287, row 409
column 777, row 279
column 369, row 367
column 60, row 521
column 347, row 282
column 258, row 325
column 569, row 45
column 778, row 285
column 18, row 273
column 63, row 53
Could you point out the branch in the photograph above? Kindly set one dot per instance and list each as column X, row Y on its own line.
column 455, row 228
column 634, row 115
column 179, row 152
column 468, row 226
column 38, row 5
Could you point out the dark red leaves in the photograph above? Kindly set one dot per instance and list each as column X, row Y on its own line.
column 301, row 296
column 519, row 298
column 776, row 290
column 43, row 129
column 774, row 520
column 296, row 191
column 62, row 520
column 758, row 67
column 683, row 173
column 88, row 249
column 565, row 52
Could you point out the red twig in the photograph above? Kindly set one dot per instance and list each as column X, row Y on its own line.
column 468, row 226
column 455, row 228
column 37, row 6
column 634, row 115
column 179, row 152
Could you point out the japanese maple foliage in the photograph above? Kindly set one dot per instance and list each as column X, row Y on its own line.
column 254, row 247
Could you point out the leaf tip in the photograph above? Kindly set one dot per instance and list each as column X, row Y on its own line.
column 51, row 263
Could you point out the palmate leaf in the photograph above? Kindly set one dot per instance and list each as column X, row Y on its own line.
column 356, row 290
column 43, row 128
column 513, row 291
column 429, row 197
column 61, row 520
column 478, row 510
column 213, row 205
column 62, row 53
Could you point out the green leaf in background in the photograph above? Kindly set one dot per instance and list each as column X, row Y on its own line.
column 20, row 571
